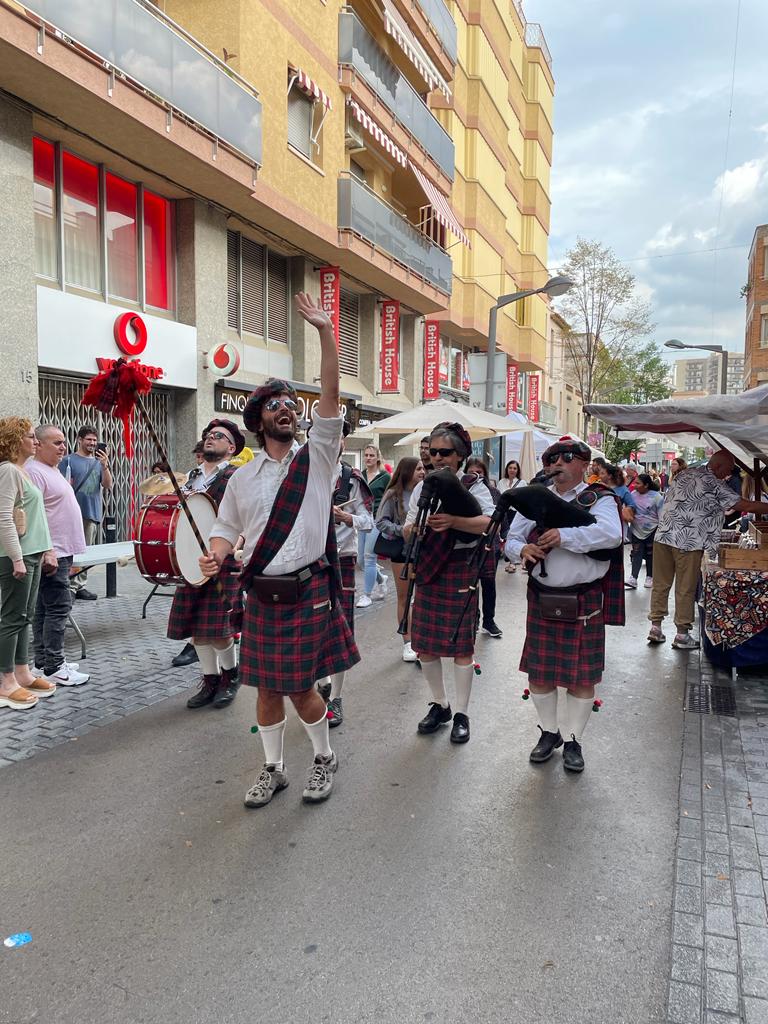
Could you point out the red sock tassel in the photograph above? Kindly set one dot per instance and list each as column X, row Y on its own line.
column 476, row 667
column 596, row 705
column 526, row 694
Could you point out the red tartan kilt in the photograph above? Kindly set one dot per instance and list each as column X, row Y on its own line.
column 347, row 597
column 284, row 648
column 436, row 610
column 568, row 654
column 199, row 611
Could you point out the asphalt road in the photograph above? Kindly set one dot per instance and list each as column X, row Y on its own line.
column 439, row 883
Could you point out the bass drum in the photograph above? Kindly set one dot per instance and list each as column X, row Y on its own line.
column 165, row 546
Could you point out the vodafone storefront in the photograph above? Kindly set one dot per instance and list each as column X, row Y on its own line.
column 77, row 337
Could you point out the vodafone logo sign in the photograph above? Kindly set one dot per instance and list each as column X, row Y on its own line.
column 225, row 359
column 130, row 334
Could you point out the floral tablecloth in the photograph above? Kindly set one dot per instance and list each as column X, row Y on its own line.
column 736, row 603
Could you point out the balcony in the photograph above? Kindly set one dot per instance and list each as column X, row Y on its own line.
column 359, row 50
column 438, row 15
column 362, row 212
column 145, row 46
column 548, row 414
column 534, row 37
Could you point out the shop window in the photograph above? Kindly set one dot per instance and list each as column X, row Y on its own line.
column 157, row 250
column 122, row 243
column 80, row 201
column 349, row 333
column 257, row 289
column 44, row 163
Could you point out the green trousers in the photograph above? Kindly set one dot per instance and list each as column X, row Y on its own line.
column 17, row 608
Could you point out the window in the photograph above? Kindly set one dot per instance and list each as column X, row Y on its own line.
column 349, row 333
column 301, row 111
column 308, row 107
column 44, row 163
column 121, row 228
column 157, row 251
column 82, row 258
column 357, row 171
column 764, row 331
column 257, row 289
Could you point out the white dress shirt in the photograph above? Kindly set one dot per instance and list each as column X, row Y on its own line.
column 346, row 536
column 569, row 565
column 251, row 492
column 477, row 490
column 202, row 481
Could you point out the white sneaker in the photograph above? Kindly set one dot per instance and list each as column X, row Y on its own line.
column 630, row 583
column 648, row 582
column 379, row 592
column 409, row 654
column 363, row 601
column 72, row 665
column 65, row 675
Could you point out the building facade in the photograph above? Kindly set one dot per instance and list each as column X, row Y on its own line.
column 694, row 378
column 562, row 406
column 756, row 332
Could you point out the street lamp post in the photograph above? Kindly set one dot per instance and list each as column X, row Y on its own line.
column 555, row 286
column 676, row 344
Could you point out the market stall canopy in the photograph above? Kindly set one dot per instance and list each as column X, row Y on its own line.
column 421, row 419
column 719, row 419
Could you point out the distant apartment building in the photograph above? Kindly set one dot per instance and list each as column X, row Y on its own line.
column 756, row 333
column 694, row 378
column 562, row 407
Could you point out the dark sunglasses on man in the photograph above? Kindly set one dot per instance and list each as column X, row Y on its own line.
column 274, row 404
column 442, row 452
column 550, row 460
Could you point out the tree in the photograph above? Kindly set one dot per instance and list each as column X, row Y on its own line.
column 607, row 318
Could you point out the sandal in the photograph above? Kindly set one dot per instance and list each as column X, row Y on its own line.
column 19, row 699
column 510, row 568
column 41, row 687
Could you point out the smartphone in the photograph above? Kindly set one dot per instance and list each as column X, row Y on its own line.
column 102, row 447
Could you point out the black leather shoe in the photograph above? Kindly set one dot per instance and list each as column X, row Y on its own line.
column 228, row 688
column 434, row 718
column 324, row 689
column 85, row 595
column 186, row 656
column 460, row 730
column 546, row 746
column 572, row 759
column 205, row 695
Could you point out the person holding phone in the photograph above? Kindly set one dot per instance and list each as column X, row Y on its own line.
column 87, row 470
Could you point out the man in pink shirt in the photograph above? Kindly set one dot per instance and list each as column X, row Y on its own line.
column 54, row 600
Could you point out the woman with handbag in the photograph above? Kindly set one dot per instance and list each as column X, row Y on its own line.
column 25, row 546
column 512, row 478
column 389, row 523
column 374, row 580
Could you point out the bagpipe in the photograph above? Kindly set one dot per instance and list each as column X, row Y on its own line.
column 548, row 510
column 441, row 491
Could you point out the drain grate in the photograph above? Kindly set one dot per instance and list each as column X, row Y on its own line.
column 706, row 699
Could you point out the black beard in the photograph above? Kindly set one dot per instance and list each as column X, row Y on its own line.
column 284, row 433
column 212, row 457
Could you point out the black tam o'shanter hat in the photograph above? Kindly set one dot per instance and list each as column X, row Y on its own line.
column 569, row 444
column 231, row 428
column 270, row 388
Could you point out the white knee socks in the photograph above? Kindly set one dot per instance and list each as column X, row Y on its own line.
column 228, row 656
column 546, row 709
column 208, row 657
column 577, row 712
column 320, row 736
column 272, row 741
column 463, row 676
column 433, row 674
column 337, row 681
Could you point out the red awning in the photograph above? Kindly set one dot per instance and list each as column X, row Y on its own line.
column 310, row 87
column 377, row 132
column 440, row 205
column 414, row 51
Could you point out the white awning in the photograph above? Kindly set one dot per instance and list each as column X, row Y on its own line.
column 310, row 87
column 377, row 132
column 413, row 50
column 440, row 205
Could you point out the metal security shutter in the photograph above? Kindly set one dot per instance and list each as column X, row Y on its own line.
column 300, row 114
column 233, row 275
column 252, row 276
column 277, row 297
column 349, row 333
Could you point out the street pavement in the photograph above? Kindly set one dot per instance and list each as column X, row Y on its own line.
column 439, row 883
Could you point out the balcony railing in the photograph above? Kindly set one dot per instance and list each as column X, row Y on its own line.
column 548, row 413
column 137, row 39
column 360, row 50
column 534, row 36
column 361, row 211
column 438, row 15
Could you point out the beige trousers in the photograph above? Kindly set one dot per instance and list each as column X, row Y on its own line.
column 683, row 568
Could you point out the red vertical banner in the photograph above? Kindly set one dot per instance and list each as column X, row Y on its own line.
column 512, row 387
column 330, row 295
column 533, row 397
column 390, row 346
column 431, row 360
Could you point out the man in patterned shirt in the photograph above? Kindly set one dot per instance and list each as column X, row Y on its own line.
column 694, row 507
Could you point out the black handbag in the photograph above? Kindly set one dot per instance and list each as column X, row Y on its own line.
column 389, row 547
column 559, row 607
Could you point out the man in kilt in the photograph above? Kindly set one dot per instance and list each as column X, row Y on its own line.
column 443, row 577
column 565, row 645
column 199, row 612
column 294, row 631
column 352, row 512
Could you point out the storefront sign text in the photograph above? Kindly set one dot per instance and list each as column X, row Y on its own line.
column 330, row 295
column 512, row 373
column 431, row 360
column 533, row 397
column 390, row 346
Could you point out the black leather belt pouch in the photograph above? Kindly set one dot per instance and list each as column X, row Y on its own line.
column 560, row 607
column 276, row 589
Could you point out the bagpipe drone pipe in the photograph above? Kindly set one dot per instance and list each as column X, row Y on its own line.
column 547, row 509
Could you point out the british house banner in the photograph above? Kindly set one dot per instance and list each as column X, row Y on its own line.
column 431, row 360
column 390, row 346
column 512, row 387
column 533, row 397
column 330, row 293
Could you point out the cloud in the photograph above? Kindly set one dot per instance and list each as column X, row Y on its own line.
column 665, row 239
column 743, row 183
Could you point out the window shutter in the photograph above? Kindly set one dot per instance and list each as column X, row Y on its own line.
column 252, row 256
column 300, row 114
column 233, row 303
column 349, row 333
column 277, row 297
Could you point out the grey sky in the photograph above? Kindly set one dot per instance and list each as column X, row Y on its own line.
column 641, row 118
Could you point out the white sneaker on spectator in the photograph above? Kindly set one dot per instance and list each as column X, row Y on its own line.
column 630, row 583
column 409, row 654
column 72, row 665
column 65, row 675
column 379, row 592
column 363, row 601
column 648, row 582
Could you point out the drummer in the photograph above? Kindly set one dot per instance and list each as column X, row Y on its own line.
column 565, row 648
column 199, row 612
column 440, row 595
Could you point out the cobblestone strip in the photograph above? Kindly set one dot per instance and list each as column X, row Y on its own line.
column 719, row 970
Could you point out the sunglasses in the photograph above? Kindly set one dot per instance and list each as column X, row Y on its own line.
column 218, row 436
column 442, row 452
column 550, row 460
column 274, row 404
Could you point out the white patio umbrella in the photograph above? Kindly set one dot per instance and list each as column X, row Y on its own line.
column 422, row 418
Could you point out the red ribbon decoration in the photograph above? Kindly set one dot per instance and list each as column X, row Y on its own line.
column 114, row 392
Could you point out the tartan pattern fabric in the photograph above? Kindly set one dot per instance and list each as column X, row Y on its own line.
column 568, row 654
column 347, row 596
column 285, row 648
column 436, row 610
column 614, row 613
column 436, row 549
column 365, row 491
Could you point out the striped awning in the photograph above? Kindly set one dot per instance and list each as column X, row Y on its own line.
column 441, row 206
column 377, row 132
column 413, row 50
column 310, row 87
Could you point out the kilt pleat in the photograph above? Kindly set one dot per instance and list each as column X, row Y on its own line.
column 436, row 610
column 285, row 648
column 568, row 654
column 199, row 611
column 347, row 596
